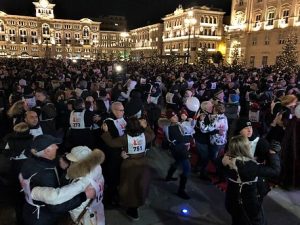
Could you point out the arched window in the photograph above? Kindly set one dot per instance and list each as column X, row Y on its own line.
column 86, row 32
column 239, row 18
column 202, row 19
column 215, row 20
column 206, row 19
column 1, row 26
column 46, row 29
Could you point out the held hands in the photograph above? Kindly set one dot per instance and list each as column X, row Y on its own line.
column 124, row 155
column 104, row 127
column 63, row 163
column 90, row 192
column 96, row 118
column 143, row 123
column 275, row 147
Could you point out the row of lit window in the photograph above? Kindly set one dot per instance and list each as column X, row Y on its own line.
column 271, row 17
column 56, row 26
column 201, row 31
column 36, row 49
column 203, row 19
column 264, row 60
column 241, row 2
column 280, row 40
column 209, row 45
column 20, row 23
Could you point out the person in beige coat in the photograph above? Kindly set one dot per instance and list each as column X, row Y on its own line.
column 135, row 169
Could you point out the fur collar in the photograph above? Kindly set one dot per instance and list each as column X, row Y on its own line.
column 85, row 166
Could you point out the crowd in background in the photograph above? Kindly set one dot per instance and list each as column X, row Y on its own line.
column 248, row 115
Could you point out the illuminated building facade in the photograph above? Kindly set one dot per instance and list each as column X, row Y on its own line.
column 114, row 45
column 45, row 36
column 146, row 41
column 182, row 33
column 258, row 29
column 186, row 31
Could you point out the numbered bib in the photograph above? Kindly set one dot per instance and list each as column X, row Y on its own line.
column 254, row 116
column 136, row 144
column 169, row 98
column 77, row 120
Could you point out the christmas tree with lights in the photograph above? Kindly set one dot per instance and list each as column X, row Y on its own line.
column 288, row 59
column 203, row 57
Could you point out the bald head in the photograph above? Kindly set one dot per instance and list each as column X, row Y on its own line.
column 117, row 109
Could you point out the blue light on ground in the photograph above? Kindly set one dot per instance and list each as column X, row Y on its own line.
column 185, row 211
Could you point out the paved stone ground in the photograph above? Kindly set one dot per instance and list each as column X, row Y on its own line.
column 205, row 208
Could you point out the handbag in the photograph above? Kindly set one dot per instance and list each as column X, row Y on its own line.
column 77, row 221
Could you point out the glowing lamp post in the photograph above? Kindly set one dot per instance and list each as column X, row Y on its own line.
column 124, row 36
column 189, row 21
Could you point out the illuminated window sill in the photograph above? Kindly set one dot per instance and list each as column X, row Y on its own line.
column 269, row 27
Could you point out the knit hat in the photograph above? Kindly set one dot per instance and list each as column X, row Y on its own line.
column 42, row 142
column 219, row 91
column 234, row 98
column 78, row 153
column 242, row 123
column 170, row 114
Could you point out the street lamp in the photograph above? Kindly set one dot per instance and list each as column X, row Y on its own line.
column 189, row 21
column 124, row 36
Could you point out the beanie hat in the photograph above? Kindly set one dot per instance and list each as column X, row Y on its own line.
column 242, row 123
column 170, row 114
column 234, row 98
column 218, row 92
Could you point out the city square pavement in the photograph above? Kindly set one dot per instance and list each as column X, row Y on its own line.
column 205, row 207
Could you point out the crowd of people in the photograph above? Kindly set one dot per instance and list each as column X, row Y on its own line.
column 76, row 134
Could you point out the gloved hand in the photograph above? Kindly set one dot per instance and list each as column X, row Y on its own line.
column 275, row 146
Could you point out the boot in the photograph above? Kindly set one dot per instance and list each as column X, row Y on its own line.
column 171, row 171
column 181, row 190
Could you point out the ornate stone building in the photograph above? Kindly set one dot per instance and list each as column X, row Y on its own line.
column 114, row 45
column 182, row 33
column 146, row 41
column 186, row 31
column 258, row 29
column 45, row 36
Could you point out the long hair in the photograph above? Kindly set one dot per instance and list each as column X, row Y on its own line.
column 16, row 109
column 239, row 146
column 133, row 127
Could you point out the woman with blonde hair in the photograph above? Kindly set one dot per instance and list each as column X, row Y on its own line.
column 16, row 112
column 242, row 199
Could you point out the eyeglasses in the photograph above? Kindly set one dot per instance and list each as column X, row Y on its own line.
column 120, row 110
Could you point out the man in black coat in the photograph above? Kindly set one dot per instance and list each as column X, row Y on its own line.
column 112, row 165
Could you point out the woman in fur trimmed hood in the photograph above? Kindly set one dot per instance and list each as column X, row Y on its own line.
column 242, row 201
column 85, row 175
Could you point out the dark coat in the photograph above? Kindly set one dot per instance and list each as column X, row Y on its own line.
column 245, row 207
column 135, row 171
column 47, row 114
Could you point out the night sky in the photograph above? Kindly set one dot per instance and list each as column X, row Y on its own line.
column 138, row 12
